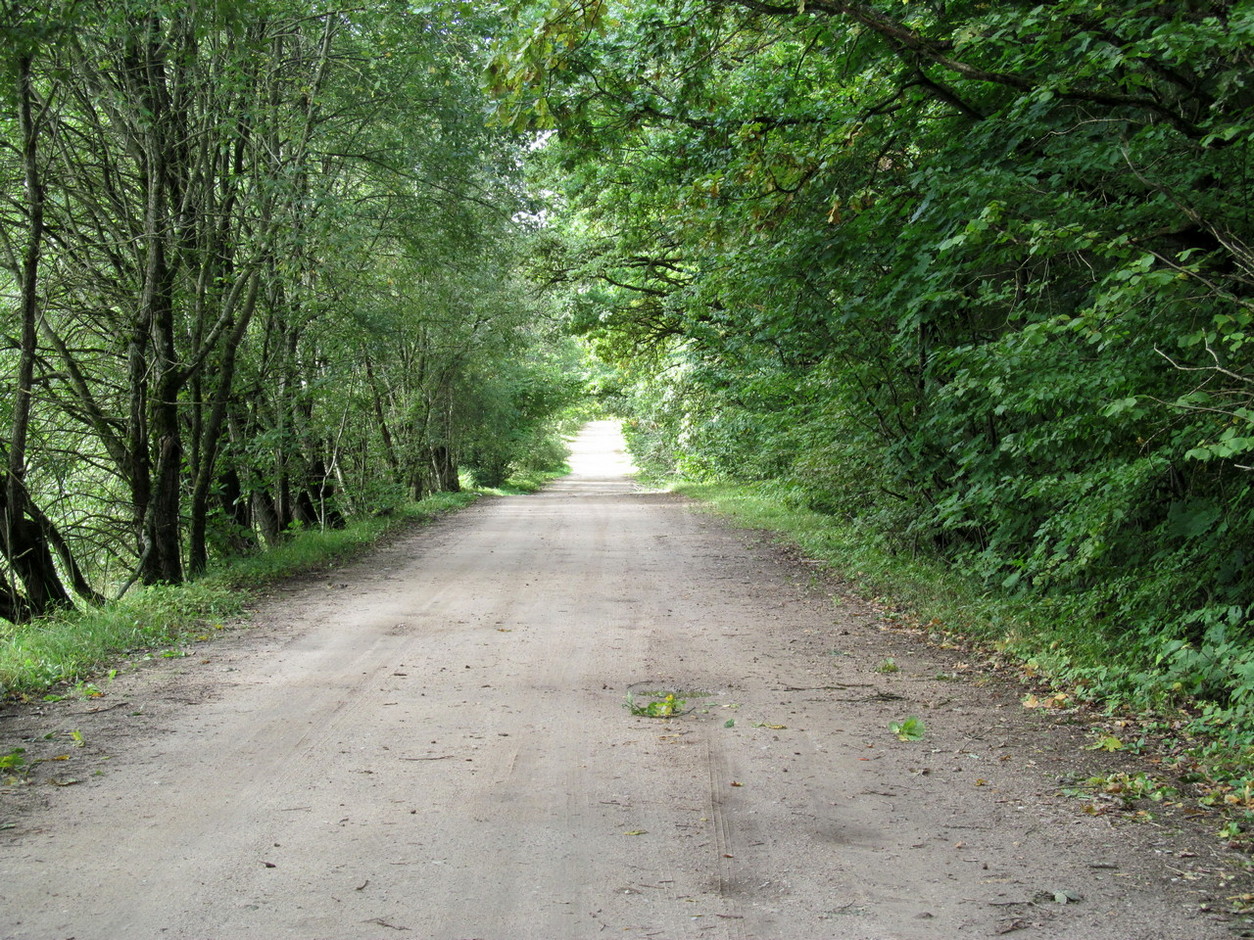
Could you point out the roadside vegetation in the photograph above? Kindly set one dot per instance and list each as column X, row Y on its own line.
column 72, row 651
column 262, row 291
column 960, row 294
column 1200, row 759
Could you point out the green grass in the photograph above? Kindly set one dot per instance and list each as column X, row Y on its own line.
column 78, row 646
column 929, row 591
column 1045, row 641
column 1046, row 638
column 311, row 550
column 524, row 482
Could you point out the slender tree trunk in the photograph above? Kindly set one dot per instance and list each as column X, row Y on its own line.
column 29, row 288
column 23, row 540
column 161, row 544
column 389, row 446
column 212, row 435
column 160, row 519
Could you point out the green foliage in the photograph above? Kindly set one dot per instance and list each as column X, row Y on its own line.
column 74, row 646
column 660, row 706
column 908, row 729
column 1127, row 788
column 316, row 549
column 322, row 310
column 518, row 415
column 981, row 299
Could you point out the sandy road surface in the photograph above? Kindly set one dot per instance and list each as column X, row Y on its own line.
column 433, row 743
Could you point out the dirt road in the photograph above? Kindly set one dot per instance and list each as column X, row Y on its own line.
column 434, row 743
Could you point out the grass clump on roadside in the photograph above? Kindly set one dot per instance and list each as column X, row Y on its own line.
column 74, row 646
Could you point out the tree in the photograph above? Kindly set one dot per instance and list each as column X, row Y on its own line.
column 257, row 247
column 28, row 538
column 977, row 275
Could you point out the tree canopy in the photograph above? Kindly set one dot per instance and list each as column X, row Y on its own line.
column 976, row 277
column 260, row 270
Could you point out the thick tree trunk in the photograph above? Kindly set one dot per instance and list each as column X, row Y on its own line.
column 13, row 606
column 28, row 554
column 305, row 509
column 445, row 467
column 267, row 518
column 162, row 527
column 29, row 543
column 51, row 536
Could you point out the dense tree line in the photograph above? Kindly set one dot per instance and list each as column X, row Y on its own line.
column 976, row 276
column 258, row 271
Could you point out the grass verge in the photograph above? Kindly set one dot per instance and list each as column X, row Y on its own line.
column 525, row 482
column 926, row 590
column 1208, row 751
column 77, row 646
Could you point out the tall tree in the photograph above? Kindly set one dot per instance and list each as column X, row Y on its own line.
column 28, row 538
column 222, row 209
